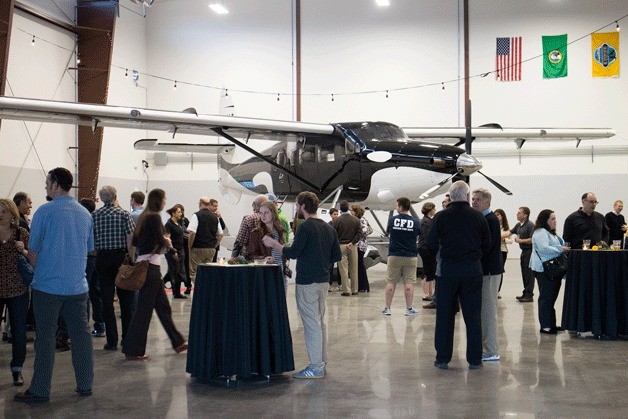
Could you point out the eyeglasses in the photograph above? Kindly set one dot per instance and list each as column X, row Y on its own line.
column 592, row 202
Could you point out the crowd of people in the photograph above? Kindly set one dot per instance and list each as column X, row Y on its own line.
column 76, row 251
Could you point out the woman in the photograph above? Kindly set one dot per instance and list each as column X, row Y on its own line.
column 363, row 280
column 150, row 242
column 176, row 261
column 13, row 294
column 429, row 261
column 184, row 223
column 503, row 225
column 270, row 225
column 546, row 245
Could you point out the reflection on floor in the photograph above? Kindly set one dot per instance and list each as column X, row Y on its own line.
column 378, row 367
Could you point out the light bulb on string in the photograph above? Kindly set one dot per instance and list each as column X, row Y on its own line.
column 277, row 97
column 126, row 72
column 226, row 92
column 175, row 85
column 443, row 86
column 386, row 94
column 617, row 28
column 78, row 58
column 332, row 97
column 33, row 41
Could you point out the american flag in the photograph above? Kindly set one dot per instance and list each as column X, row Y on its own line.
column 508, row 59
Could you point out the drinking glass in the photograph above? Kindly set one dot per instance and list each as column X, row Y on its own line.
column 586, row 244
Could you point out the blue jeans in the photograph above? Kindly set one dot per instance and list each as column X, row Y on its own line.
column 18, row 309
column 94, row 295
column 73, row 308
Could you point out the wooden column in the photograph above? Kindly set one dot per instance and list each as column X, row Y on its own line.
column 6, row 21
column 96, row 24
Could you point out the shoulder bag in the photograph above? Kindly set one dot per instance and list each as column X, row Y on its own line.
column 131, row 276
column 555, row 268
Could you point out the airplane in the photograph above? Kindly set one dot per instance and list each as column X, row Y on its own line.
column 370, row 163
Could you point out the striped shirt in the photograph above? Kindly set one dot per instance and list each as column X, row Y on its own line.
column 112, row 225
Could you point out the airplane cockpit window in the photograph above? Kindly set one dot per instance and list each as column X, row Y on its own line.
column 381, row 132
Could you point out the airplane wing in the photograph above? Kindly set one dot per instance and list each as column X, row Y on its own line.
column 494, row 132
column 154, row 145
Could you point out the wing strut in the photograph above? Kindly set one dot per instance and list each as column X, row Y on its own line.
column 220, row 132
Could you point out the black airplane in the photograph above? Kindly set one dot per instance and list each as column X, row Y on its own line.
column 371, row 163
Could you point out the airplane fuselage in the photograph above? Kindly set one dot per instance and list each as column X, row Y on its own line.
column 340, row 160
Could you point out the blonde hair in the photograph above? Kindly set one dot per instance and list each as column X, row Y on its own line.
column 12, row 208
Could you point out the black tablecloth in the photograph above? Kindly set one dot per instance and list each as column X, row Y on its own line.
column 596, row 292
column 239, row 323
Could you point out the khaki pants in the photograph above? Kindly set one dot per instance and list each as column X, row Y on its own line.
column 200, row 256
column 348, row 268
column 490, row 344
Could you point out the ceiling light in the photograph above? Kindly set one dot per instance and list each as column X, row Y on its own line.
column 383, row 3
column 218, row 8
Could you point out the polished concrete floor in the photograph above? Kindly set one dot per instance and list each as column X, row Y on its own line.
column 378, row 367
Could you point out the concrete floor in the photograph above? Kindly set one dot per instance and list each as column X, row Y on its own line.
column 378, row 367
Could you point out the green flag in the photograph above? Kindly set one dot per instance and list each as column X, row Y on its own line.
column 554, row 56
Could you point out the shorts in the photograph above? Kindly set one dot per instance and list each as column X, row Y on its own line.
column 401, row 268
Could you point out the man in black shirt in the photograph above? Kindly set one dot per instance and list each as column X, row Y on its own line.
column 615, row 222
column 524, row 230
column 463, row 237
column 585, row 224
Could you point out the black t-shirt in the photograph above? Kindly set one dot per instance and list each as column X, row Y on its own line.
column 176, row 234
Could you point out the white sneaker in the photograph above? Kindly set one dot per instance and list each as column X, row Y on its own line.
column 411, row 312
column 386, row 311
column 489, row 358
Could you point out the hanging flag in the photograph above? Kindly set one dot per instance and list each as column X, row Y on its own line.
column 605, row 54
column 554, row 56
column 508, row 59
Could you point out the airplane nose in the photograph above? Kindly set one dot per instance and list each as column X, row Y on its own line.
column 467, row 164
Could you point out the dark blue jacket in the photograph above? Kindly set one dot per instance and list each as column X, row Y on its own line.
column 492, row 260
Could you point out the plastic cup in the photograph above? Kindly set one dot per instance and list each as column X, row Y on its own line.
column 586, row 244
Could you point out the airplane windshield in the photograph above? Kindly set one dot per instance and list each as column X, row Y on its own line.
column 378, row 132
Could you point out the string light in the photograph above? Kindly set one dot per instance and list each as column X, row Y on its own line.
column 33, row 41
column 332, row 97
column 386, row 94
column 277, row 97
column 617, row 28
column 175, row 85
column 443, row 86
column 78, row 58
column 126, row 73
column 226, row 92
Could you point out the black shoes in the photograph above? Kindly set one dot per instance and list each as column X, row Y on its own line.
column 180, row 296
column 28, row 397
column 475, row 366
column 441, row 365
column 552, row 331
column 18, row 381
column 108, row 347
column 188, row 291
column 83, row 393
column 525, row 299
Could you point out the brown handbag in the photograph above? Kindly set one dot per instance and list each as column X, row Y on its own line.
column 132, row 276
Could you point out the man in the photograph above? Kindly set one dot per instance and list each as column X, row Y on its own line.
column 492, row 268
column 248, row 224
column 205, row 236
column 403, row 230
column 95, row 297
column 137, row 202
column 349, row 230
column 615, row 222
column 524, row 230
column 113, row 231
column 585, row 224
column 213, row 207
column 446, row 201
column 315, row 248
column 463, row 236
column 24, row 204
column 61, row 236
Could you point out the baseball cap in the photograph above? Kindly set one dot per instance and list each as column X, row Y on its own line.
column 271, row 197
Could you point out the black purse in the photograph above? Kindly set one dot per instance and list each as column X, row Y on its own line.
column 555, row 268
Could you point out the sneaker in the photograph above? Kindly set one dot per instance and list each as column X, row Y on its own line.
column 97, row 334
column 441, row 365
column 411, row 312
column 488, row 358
column 309, row 372
column 386, row 311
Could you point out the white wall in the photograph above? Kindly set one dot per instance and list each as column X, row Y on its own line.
column 352, row 46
